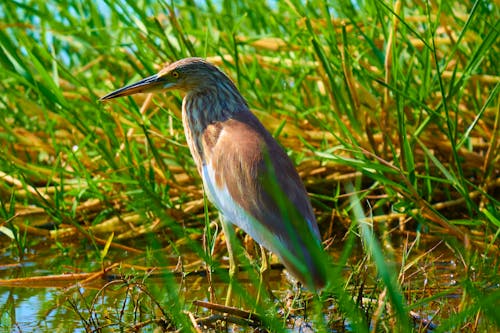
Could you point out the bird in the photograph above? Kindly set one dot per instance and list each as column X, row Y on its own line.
column 246, row 174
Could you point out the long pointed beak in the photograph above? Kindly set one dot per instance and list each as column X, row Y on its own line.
column 148, row 84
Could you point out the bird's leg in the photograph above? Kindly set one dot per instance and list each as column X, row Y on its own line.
column 265, row 270
column 233, row 267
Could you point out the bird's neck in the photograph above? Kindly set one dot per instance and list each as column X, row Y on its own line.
column 212, row 104
column 203, row 107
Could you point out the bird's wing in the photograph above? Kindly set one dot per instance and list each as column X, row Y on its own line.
column 254, row 184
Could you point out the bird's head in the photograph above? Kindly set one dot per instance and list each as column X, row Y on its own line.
column 190, row 74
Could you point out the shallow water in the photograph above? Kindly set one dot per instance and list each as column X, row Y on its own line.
column 48, row 307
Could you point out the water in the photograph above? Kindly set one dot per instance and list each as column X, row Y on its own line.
column 50, row 306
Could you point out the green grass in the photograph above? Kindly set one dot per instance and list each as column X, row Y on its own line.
column 389, row 110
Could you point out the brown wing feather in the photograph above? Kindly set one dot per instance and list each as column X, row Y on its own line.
column 261, row 178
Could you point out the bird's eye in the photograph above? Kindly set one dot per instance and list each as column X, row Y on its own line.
column 175, row 75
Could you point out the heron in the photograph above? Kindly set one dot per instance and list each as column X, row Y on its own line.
column 245, row 172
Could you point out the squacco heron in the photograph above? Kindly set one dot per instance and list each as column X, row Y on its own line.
column 246, row 174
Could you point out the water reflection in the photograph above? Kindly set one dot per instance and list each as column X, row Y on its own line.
column 52, row 307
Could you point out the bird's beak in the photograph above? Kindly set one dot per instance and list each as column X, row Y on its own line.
column 149, row 84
